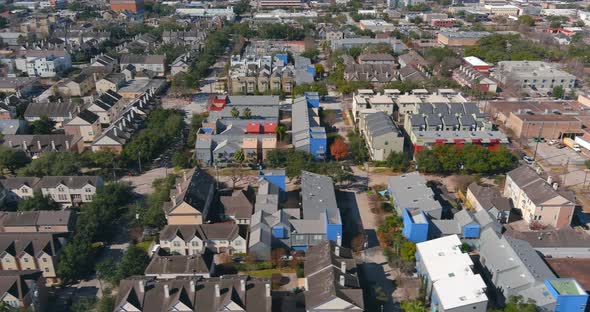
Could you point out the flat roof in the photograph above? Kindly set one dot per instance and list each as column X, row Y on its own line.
column 460, row 291
column 444, row 258
column 475, row 61
column 578, row 268
column 566, row 286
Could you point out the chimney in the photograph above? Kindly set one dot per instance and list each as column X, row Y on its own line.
column 178, row 188
column 39, row 144
column 343, row 267
column 129, row 117
column 217, row 292
column 142, row 286
column 53, row 145
column 166, row 291
column 549, row 180
column 306, row 284
column 121, row 126
column 339, row 240
column 337, row 251
column 555, row 186
column 115, row 131
column 192, row 285
column 242, row 285
column 267, row 290
column 342, row 280
column 67, row 145
column 25, row 147
column 10, row 143
column 184, row 175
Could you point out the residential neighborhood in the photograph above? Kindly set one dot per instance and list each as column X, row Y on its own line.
column 294, row 156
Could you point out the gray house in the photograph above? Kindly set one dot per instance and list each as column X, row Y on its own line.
column 381, row 134
column 410, row 191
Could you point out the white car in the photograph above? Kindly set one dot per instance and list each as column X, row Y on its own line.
column 528, row 159
column 552, row 142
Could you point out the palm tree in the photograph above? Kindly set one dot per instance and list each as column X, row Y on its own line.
column 235, row 113
column 281, row 131
column 247, row 113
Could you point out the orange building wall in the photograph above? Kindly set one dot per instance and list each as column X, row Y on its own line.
column 127, row 5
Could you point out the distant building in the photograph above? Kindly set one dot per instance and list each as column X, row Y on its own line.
column 135, row 6
column 190, row 199
column 376, row 25
column 535, row 75
column 381, row 134
column 154, row 63
column 65, row 190
column 461, row 38
column 187, row 239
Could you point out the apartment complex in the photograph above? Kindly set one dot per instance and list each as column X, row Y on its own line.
column 538, row 199
column 535, row 75
column 43, row 63
column 134, row 6
column 460, row 38
column 153, row 63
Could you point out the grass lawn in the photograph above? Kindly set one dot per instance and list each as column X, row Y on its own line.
column 268, row 272
column 145, row 245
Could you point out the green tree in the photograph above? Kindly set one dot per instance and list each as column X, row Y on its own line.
column 427, row 161
column 54, row 164
column 196, row 124
column 281, row 132
column 106, row 304
column 526, row 20
column 247, row 113
column 235, row 113
column 180, row 160
column 38, row 202
column 518, row 304
column 133, row 262
column 358, row 149
column 408, row 251
column 558, row 92
column 397, row 161
column 413, row 306
column 555, row 24
column 12, row 159
column 43, row 125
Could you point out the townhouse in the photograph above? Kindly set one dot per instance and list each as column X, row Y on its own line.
column 65, row 190
column 538, row 200
column 126, row 124
column 331, row 281
column 451, row 284
column 32, row 251
column 168, row 267
column 296, row 228
column 35, row 145
column 42, row 63
column 197, row 239
column 381, row 134
column 516, row 269
column 307, row 133
column 154, row 63
column 23, row 289
column 191, row 199
column 238, row 123
column 108, row 106
column 60, row 112
column 236, row 207
column 410, row 191
column 229, row 292
column 85, row 125
column 37, row 221
column 112, row 82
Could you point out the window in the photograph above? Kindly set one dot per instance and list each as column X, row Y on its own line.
column 24, row 190
column 26, row 260
column 318, row 237
column 238, row 243
column 195, row 244
column 386, row 143
column 46, row 269
column 44, row 259
column 176, row 244
column 60, row 189
column 87, row 190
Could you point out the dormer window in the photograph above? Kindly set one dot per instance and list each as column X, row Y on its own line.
column 60, row 189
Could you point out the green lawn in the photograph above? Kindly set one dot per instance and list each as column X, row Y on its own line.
column 145, row 246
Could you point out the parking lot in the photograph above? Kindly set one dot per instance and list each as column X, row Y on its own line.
column 554, row 161
column 555, row 156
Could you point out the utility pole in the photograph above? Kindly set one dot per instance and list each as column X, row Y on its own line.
column 139, row 160
column 539, row 139
column 567, row 163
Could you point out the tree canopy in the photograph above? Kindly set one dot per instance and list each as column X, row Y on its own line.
column 470, row 158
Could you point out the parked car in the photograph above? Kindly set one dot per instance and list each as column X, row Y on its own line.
column 552, row 142
column 560, row 145
column 528, row 159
